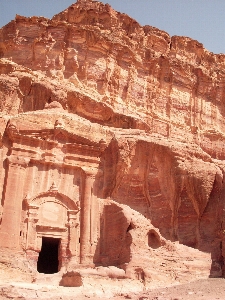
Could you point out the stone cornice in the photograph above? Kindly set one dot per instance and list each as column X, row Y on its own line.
column 50, row 136
column 41, row 227
column 44, row 146
column 18, row 160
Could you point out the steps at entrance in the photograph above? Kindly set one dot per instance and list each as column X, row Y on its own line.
column 49, row 279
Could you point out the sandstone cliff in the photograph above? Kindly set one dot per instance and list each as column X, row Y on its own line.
column 148, row 112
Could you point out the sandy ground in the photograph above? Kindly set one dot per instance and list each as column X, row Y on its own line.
column 208, row 289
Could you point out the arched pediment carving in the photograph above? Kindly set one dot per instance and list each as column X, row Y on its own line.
column 52, row 196
column 51, row 209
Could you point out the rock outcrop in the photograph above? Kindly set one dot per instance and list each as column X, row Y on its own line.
column 112, row 150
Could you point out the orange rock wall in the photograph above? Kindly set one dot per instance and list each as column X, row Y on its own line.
column 142, row 125
column 172, row 85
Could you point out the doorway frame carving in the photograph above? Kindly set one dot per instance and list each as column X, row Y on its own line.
column 68, row 234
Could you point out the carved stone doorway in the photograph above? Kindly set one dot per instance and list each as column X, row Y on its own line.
column 48, row 260
column 50, row 217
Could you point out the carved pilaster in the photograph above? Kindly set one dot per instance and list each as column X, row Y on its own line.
column 63, row 255
column 85, row 227
column 10, row 227
column 73, row 232
column 31, row 227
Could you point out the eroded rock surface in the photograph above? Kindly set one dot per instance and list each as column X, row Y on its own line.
column 112, row 152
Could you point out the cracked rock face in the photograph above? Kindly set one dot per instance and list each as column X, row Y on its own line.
column 112, row 149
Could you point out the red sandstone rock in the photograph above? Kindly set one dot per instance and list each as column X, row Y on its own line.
column 112, row 151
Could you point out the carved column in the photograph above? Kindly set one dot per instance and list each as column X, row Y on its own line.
column 10, row 227
column 85, row 227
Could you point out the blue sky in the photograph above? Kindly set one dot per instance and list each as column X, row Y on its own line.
column 203, row 20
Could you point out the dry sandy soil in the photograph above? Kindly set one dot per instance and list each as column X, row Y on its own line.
column 209, row 289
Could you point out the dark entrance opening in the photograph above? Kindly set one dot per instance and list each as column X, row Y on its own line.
column 48, row 261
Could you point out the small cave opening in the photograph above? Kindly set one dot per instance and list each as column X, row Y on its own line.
column 48, row 261
column 130, row 227
column 140, row 274
column 153, row 240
